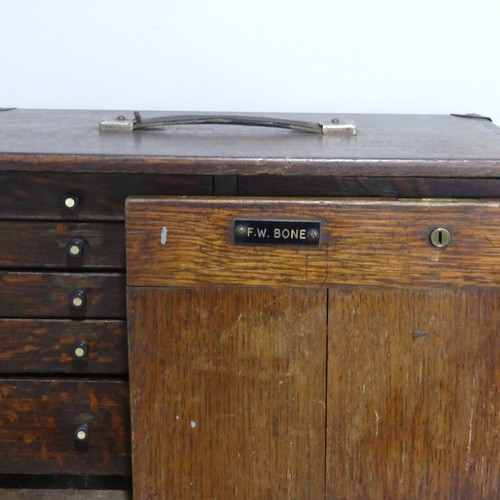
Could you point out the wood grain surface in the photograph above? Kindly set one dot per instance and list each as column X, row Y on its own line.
column 362, row 243
column 66, row 494
column 398, row 187
column 38, row 418
column 228, row 392
column 63, row 482
column 101, row 196
column 225, row 185
column 385, row 146
column 46, row 346
column 413, row 394
column 43, row 245
column 47, row 295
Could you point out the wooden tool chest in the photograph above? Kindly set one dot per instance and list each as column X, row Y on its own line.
column 360, row 365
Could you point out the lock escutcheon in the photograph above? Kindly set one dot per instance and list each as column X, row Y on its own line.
column 440, row 237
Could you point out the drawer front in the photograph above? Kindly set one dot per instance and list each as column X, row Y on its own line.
column 86, row 196
column 63, row 346
column 62, row 295
column 64, row 427
column 366, row 243
column 356, row 186
column 59, row 245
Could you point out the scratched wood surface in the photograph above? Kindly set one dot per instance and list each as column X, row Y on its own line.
column 359, row 186
column 47, row 295
column 30, row 244
column 228, row 392
column 101, row 195
column 46, row 346
column 38, row 418
column 386, row 145
column 66, row 494
column 362, row 243
column 413, row 394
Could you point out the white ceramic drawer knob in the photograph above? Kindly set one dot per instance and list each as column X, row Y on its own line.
column 82, row 433
column 75, row 247
column 78, row 299
column 80, row 350
column 71, row 201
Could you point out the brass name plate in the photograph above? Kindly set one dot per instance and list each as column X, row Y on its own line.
column 277, row 232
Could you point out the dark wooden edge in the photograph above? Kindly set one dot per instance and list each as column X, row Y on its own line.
column 84, row 482
column 376, row 167
column 338, row 186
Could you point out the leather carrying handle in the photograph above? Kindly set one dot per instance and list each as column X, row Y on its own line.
column 122, row 124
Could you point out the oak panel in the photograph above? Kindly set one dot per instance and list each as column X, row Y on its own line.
column 413, row 401
column 228, row 392
column 46, row 346
column 38, row 418
column 362, row 243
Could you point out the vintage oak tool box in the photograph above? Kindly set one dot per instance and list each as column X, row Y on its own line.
column 225, row 306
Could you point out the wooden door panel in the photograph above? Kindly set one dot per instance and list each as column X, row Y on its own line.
column 413, row 402
column 228, row 392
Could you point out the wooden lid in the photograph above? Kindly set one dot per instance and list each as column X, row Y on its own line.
column 386, row 145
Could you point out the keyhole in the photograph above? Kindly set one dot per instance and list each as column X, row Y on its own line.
column 440, row 237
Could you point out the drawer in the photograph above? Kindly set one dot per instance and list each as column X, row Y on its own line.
column 86, row 196
column 40, row 421
column 356, row 186
column 366, row 243
column 62, row 295
column 59, row 245
column 63, row 346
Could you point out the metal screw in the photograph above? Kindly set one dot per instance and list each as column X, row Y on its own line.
column 440, row 237
column 312, row 234
column 241, row 229
column 82, row 433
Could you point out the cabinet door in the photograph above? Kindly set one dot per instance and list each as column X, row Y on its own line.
column 413, row 402
column 359, row 364
column 228, row 392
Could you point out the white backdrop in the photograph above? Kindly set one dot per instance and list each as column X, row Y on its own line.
column 387, row 56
